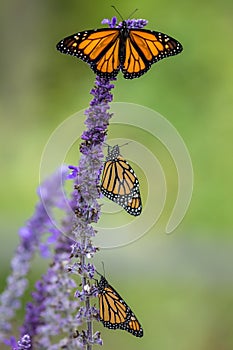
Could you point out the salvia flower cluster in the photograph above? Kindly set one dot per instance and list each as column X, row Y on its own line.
column 131, row 23
column 57, row 308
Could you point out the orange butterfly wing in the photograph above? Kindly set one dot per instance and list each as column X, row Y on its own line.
column 145, row 47
column 120, row 184
column 99, row 48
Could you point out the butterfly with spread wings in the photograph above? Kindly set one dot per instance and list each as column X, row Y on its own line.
column 119, row 182
column 114, row 312
column 109, row 50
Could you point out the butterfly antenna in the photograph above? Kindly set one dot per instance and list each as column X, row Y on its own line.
column 98, row 273
column 124, row 144
column 118, row 12
column 103, row 268
column 132, row 13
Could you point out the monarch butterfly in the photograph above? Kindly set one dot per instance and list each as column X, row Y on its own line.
column 114, row 312
column 119, row 182
column 109, row 50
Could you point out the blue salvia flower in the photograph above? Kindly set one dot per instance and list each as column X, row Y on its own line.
column 131, row 23
column 85, row 205
column 110, row 22
column 30, row 241
column 134, row 23
column 24, row 343
column 53, row 313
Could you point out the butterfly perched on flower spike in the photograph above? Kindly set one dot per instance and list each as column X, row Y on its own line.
column 114, row 312
column 120, row 183
column 126, row 48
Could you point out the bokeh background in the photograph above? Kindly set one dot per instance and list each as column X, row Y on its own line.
column 180, row 286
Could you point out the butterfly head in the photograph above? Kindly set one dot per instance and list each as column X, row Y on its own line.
column 113, row 152
column 102, row 280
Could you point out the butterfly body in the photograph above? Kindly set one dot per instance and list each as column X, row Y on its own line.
column 123, row 34
column 114, row 312
column 109, row 50
column 119, row 182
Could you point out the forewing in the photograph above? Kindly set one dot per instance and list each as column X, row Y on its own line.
column 99, row 48
column 145, row 47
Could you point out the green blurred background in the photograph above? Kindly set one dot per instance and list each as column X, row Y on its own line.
column 180, row 286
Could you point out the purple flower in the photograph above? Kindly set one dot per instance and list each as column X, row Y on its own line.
column 85, row 195
column 30, row 241
column 134, row 23
column 85, row 205
column 111, row 22
column 24, row 343
column 131, row 23
column 53, row 312
column 97, row 339
column 11, row 342
column 78, row 249
column 74, row 172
